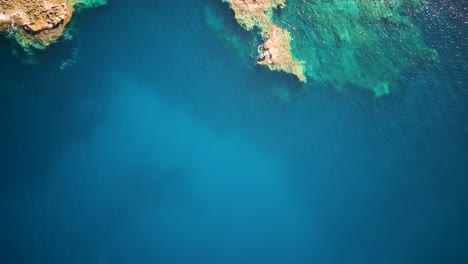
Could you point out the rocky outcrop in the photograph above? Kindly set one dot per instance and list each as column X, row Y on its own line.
column 276, row 50
column 37, row 23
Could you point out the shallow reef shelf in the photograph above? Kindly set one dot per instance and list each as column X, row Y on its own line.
column 366, row 44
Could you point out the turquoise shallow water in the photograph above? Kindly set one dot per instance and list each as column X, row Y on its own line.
column 160, row 146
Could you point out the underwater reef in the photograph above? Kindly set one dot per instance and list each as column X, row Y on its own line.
column 35, row 24
column 366, row 44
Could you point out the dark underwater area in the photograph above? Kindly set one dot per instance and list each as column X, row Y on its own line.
column 159, row 146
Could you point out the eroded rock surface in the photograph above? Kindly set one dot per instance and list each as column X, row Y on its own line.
column 38, row 23
column 35, row 23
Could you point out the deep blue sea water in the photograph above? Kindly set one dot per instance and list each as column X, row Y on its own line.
column 158, row 146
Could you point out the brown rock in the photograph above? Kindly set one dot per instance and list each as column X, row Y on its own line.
column 276, row 52
column 37, row 21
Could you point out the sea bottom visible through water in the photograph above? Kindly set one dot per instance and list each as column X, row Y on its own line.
column 159, row 145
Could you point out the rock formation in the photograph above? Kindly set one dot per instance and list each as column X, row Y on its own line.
column 275, row 52
column 38, row 23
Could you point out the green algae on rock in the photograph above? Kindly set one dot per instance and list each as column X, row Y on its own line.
column 367, row 44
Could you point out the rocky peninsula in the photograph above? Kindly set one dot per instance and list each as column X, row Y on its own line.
column 276, row 51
